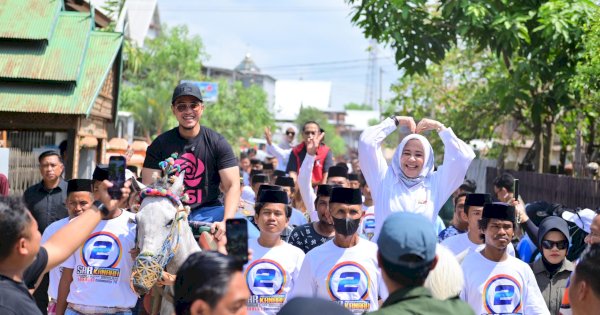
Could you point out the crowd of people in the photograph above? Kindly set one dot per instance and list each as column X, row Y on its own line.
column 364, row 236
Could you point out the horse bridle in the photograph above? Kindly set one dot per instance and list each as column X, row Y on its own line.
column 147, row 269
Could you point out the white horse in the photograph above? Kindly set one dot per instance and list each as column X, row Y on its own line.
column 164, row 239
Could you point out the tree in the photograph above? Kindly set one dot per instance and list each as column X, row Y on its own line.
column 536, row 42
column 332, row 139
column 239, row 112
column 150, row 74
column 356, row 106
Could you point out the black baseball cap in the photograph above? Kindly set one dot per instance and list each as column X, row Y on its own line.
column 186, row 89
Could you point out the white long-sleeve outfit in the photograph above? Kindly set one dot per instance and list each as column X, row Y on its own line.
column 391, row 194
column 305, row 186
column 282, row 155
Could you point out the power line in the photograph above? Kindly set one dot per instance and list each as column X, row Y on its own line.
column 322, row 63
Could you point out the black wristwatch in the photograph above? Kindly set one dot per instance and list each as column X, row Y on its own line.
column 395, row 120
column 100, row 206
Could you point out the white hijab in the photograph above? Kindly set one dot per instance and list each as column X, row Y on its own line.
column 428, row 165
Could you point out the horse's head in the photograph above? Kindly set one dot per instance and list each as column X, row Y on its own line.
column 161, row 221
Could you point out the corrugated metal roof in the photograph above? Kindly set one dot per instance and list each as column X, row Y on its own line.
column 37, row 97
column 60, row 60
column 32, row 20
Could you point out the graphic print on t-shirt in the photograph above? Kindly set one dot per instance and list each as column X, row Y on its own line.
column 100, row 256
column 194, row 169
column 266, row 281
column 369, row 225
column 502, row 295
column 348, row 284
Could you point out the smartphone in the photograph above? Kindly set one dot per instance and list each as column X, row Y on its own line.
column 116, row 175
column 237, row 239
column 516, row 189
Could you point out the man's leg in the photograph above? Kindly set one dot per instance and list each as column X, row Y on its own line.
column 208, row 214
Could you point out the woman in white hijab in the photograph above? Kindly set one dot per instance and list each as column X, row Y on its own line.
column 410, row 182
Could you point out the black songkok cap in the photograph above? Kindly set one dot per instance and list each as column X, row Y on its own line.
column 337, row 171
column 268, row 166
column 352, row 176
column 100, row 172
column 255, row 161
column 273, row 196
column 74, row 185
column 267, row 187
column 499, row 210
column 260, row 178
column 477, row 200
column 279, row 173
column 324, row 190
column 346, row 195
column 285, row 181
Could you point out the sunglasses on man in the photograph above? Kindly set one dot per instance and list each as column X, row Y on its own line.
column 182, row 107
column 290, row 133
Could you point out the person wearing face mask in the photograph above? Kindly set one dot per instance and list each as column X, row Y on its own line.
column 345, row 269
column 552, row 270
column 410, row 183
column 315, row 233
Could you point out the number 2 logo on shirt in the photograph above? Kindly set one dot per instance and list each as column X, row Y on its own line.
column 265, row 277
column 502, row 295
column 348, row 281
column 102, row 249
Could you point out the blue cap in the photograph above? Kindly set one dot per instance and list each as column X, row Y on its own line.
column 405, row 233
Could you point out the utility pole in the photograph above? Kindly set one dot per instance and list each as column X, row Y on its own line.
column 371, row 75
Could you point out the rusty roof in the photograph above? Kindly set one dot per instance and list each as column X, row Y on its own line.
column 66, row 98
column 31, row 20
column 59, row 60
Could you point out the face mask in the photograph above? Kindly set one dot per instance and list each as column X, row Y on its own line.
column 346, row 226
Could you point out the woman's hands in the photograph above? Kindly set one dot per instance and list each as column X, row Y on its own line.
column 425, row 124
column 429, row 124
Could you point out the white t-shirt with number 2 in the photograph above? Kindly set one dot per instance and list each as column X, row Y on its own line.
column 348, row 276
column 505, row 287
column 271, row 275
column 102, row 266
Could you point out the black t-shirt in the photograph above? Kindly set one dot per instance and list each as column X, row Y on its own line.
column 201, row 157
column 14, row 296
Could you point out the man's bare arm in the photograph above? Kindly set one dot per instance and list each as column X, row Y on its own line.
column 147, row 175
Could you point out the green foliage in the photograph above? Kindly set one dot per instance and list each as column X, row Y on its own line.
column 151, row 73
column 332, row 139
column 356, row 106
column 536, row 46
column 239, row 112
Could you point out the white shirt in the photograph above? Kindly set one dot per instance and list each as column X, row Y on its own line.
column 506, row 287
column 297, row 218
column 425, row 198
column 348, row 276
column 102, row 266
column 271, row 275
column 305, row 186
column 56, row 272
column 367, row 224
column 460, row 243
column 282, row 155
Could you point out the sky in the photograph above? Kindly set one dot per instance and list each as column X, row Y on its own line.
column 287, row 39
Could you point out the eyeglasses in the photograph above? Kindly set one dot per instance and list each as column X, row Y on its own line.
column 560, row 245
column 182, row 107
column 290, row 133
